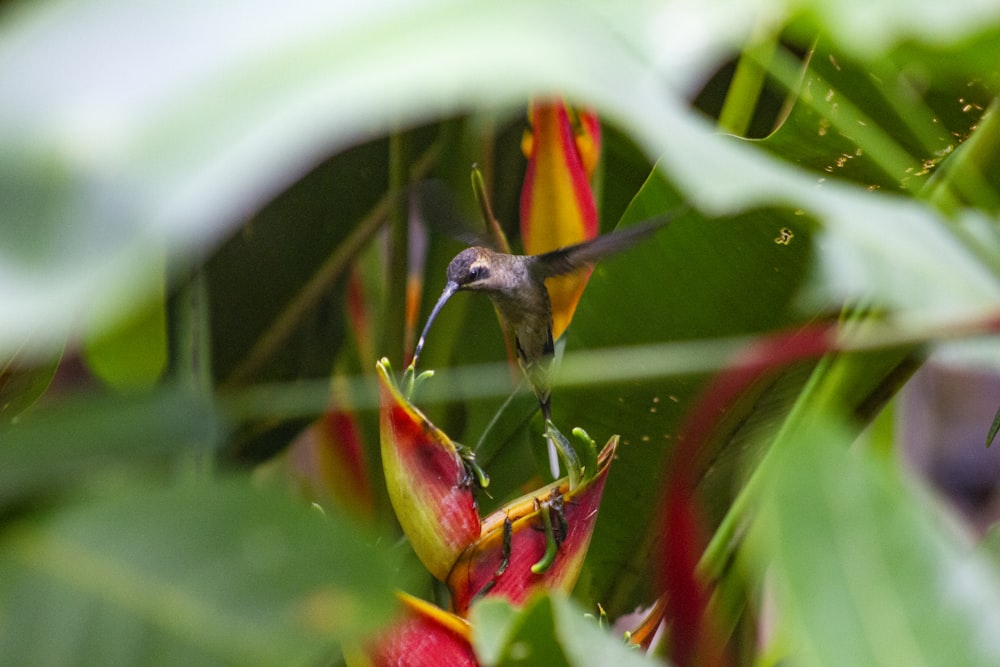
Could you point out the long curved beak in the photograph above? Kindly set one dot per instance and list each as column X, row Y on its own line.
column 449, row 289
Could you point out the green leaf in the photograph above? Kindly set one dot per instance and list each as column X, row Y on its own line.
column 66, row 442
column 865, row 571
column 193, row 574
column 132, row 354
column 24, row 376
column 994, row 427
column 698, row 278
column 549, row 630
column 869, row 30
column 107, row 163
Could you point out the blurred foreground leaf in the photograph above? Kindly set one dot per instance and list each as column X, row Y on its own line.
column 23, row 379
column 195, row 574
column 865, row 569
column 109, row 161
column 133, row 354
column 698, row 278
column 548, row 631
column 64, row 442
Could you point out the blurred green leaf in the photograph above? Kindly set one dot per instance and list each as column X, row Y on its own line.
column 865, row 569
column 105, row 158
column 24, row 377
column 869, row 31
column 550, row 630
column 61, row 444
column 994, row 428
column 697, row 278
column 133, row 354
column 217, row 573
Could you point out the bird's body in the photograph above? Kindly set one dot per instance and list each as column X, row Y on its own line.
column 516, row 286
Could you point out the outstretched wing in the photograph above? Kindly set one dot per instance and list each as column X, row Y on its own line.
column 569, row 259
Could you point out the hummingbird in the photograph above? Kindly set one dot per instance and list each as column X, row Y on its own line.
column 516, row 286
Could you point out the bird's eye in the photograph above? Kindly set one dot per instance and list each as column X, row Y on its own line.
column 478, row 273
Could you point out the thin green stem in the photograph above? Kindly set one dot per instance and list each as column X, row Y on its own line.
column 582, row 368
column 192, row 350
column 898, row 93
column 486, row 211
column 193, row 344
column 397, row 262
column 747, row 83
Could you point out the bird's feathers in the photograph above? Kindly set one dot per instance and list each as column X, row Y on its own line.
column 569, row 259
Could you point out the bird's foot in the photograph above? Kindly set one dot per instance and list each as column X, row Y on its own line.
column 556, row 529
column 473, row 471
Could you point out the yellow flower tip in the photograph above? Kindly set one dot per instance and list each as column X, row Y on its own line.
column 557, row 203
column 588, row 140
column 424, row 635
column 420, row 607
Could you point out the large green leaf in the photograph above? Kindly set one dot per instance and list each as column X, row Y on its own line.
column 108, row 159
column 871, row 30
column 865, row 570
column 193, row 574
column 697, row 278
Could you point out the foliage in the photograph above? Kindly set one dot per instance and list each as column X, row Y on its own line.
column 203, row 218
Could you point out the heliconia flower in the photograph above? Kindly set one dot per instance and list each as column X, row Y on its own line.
column 327, row 460
column 426, row 636
column 358, row 316
column 514, row 556
column 429, row 485
column 557, row 202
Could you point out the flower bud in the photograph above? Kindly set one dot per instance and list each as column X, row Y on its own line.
column 429, row 485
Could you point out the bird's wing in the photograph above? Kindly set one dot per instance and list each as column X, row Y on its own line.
column 571, row 258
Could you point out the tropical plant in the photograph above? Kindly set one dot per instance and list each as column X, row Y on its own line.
column 208, row 238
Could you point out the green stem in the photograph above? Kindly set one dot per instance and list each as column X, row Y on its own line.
column 747, row 83
column 961, row 181
column 822, row 389
column 192, row 351
column 486, row 211
column 899, row 94
column 397, row 262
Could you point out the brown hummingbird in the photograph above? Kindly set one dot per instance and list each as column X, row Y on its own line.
column 516, row 286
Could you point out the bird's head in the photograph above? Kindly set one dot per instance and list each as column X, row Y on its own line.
column 471, row 269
